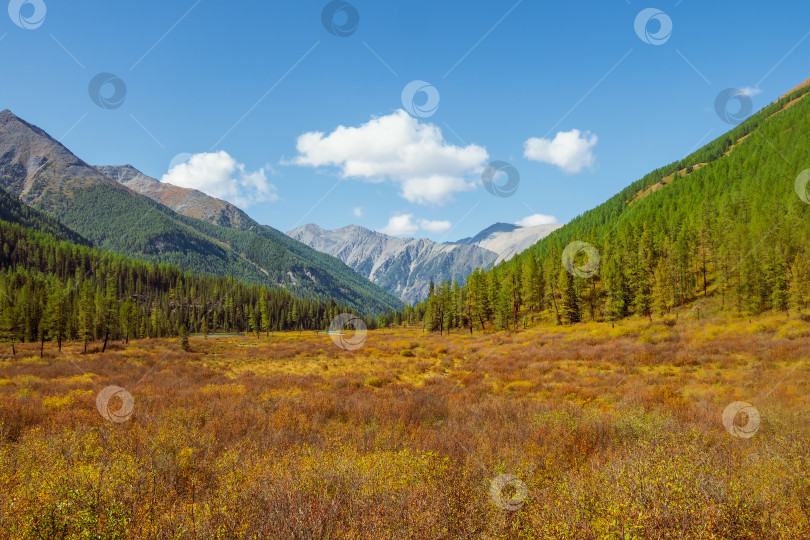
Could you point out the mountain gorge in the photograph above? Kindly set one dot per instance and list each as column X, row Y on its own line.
column 48, row 177
column 406, row 266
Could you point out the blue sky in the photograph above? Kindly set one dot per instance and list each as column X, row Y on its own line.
column 237, row 86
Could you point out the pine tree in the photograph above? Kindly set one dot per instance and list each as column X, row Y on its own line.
column 182, row 341
column 56, row 315
column 570, row 301
column 798, row 290
column 254, row 324
column 11, row 324
column 127, row 318
column 265, row 311
column 86, row 313
column 109, row 309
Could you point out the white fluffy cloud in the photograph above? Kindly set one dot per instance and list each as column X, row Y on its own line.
column 536, row 219
column 357, row 211
column 405, row 225
column 750, row 91
column 400, row 149
column 435, row 227
column 219, row 175
column 569, row 150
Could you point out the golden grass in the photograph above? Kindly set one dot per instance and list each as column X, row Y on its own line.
column 616, row 432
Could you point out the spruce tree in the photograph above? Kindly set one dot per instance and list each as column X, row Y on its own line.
column 570, row 301
column 182, row 341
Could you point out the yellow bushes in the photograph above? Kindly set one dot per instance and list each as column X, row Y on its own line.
column 794, row 330
column 58, row 402
column 616, row 433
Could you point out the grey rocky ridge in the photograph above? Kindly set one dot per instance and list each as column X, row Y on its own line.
column 405, row 266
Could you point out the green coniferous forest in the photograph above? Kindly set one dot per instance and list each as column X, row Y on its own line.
column 55, row 290
column 725, row 223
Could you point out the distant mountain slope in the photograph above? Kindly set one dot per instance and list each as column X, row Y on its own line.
column 507, row 239
column 189, row 202
column 47, row 176
column 403, row 266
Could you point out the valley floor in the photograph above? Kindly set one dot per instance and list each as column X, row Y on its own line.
column 581, row 432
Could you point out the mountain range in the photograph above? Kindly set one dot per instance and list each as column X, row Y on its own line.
column 130, row 214
column 406, row 266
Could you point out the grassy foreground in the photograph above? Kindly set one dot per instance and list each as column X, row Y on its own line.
column 582, row 432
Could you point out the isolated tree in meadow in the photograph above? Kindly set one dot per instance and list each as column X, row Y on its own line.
column 182, row 341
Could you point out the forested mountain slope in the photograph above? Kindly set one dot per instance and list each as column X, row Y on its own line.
column 189, row 202
column 725, row 222
column 12, row 210
column 47, row 176
column 57, row 290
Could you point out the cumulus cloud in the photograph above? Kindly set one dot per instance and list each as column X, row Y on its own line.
column 221, row 176
column 536, row 219
column 750, row 91
column 400, row 149
column 435, row 226
column 569, row 150
column 357, row 211
column 406, row 225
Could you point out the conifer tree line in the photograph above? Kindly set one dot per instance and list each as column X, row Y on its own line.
column 52, row 290
column 728, row 222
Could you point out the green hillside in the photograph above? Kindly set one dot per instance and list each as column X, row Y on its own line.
column 724, row 223
column 46, row 176
column 54, row 290
column 13, row 210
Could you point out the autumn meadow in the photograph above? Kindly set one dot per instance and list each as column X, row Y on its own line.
column 593, row 431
